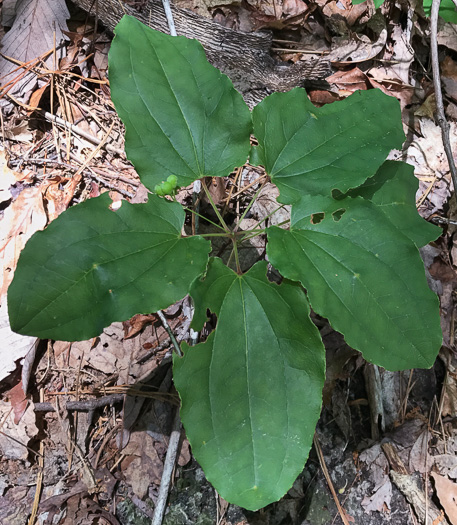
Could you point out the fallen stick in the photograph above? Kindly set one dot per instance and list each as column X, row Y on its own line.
column 168, row 466
column 87, row 405
column 443, row 123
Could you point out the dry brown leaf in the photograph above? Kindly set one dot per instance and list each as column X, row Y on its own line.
column 142, row 466
column 351, row 80
column 354, row 51
column 418, row 454
column 426, row 152
column 21, row 433
column 428, row 108
column 449, row 81
column 379, row 78
column 340, row 19
column 446, row 465
column 20, row 221
column 266, row 203
column 380, row 501
column 447, row 36
column 184, row 454
column 7, row 178
column 216, row 188
column 58, row 192
column 322, row 97
column 134, row 325
column 203, row 7
column 446, row 491
column 18, row 401
column 36, row 97
column 276, row 13
column 449, row 404
column 401, row 53
column 32, row 34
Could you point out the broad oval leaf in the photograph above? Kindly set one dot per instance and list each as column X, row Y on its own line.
column 310, row 152
column 93, row 266
column 182, row 116
column 251, row 394
column 366, row 276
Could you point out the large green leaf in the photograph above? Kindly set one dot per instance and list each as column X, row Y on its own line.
column 377, row 3
column 447, row 10
column 93, row 266
column 393, row 189
column 182, row 116
column 366, row 275
column 309, row 151
column 251, row 394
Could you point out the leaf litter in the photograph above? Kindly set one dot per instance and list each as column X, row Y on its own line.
column 121, row 446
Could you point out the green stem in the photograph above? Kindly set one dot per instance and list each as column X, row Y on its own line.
column 204, row 218
column 230, row 257
column 268, row 216
column 283, row 222
column 237, row 259
column 259, row 232
column 210, row 235
column 219, row 216
column 249, row 206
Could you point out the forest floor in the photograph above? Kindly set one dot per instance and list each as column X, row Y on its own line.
column 393, row 461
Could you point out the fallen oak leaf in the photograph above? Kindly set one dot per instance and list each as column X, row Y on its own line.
column 446, row 491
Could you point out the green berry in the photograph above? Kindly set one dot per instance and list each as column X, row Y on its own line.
column 159, row 190
column 167, row 188
column 173, row 180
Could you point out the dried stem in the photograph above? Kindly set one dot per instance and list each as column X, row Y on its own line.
column 444, row 124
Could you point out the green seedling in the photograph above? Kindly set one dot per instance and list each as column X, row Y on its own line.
column 251, row 393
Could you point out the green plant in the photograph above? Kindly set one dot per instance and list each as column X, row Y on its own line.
column 447, row 8
column 251, row 393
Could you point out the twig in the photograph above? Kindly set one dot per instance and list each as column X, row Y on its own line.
column 152, row 352
column 175, row 436
column 93, row 153
column 169, row 15
column 168, row 467
column 39, row 479
column 170, row 333
column 90, row 172
column 443, row 220
column 301, row 51
column 87, row 405
column 80, row 132
column 320, row 455
column 443, row 123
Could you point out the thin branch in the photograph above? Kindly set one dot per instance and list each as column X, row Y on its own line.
column 444, row 124
column 83, row 406
column 168, row 468
column 320, row 455
column 170, row 333
column 213, row 205
column 81, row 133
column 204, row 218
column 169, row 15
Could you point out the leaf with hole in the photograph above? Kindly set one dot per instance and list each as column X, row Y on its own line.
column 364, row 273
column 312, row 152
column 393, row 189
